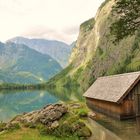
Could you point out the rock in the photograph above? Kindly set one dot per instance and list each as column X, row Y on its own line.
column 50, row 121
column 54, row 125
column 91, row 115
column 75, row 106
column 78, row 126
column 12, row 126
column 46, row 116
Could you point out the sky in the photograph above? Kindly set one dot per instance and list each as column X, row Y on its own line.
column 49, row 19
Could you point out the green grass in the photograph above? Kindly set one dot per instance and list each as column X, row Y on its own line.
column 72, row 126
column 30, row 134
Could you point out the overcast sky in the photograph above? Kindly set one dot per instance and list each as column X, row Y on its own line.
column 50, row 19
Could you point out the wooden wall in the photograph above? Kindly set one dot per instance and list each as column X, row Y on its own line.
column 129, row 108
column 107, row 108
column 118, row 111
column 136, row 98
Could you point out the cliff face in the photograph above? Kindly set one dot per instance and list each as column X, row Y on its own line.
column 105, row 45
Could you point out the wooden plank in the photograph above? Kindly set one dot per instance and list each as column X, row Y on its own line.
column 137, row 103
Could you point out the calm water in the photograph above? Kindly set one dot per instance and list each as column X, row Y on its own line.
column 104, row 128
column 13, row 103
column 126, row 130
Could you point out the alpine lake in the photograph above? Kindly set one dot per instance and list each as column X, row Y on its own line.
column 16, row 102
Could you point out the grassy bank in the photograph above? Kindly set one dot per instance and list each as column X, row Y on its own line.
column 72, row 126
column 30, row 134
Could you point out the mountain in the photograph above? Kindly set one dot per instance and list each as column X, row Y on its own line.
column 20, row 64
column 59, row 51
column 107, row 44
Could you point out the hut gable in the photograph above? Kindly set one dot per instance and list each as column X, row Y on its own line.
column 113, row 88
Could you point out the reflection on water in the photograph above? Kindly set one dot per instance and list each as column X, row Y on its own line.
column 101, row 133
column 126, row 130
column 138, row 125
column 17, row 102
column 13, row 103
column 66, row 94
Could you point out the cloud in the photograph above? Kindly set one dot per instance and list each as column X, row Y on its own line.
column 66, row 35
column 71, row 30
column 51, row 19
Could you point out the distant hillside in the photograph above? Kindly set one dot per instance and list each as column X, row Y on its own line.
column 107, row 44
column 20, row 64
column 60, row 51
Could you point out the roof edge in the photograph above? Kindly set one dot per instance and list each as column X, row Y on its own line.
column 122, row 74
column 127, row 92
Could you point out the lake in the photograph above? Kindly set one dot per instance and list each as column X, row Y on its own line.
column 13, row 103
column 126, row 130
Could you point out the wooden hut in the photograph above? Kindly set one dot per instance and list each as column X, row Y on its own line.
column 117, row 96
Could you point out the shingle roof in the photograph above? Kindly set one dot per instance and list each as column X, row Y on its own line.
column 113, row 88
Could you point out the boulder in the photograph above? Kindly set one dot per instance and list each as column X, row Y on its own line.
column 54, row 125
column 46, row 116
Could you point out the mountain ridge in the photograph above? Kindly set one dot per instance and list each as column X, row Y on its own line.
column 21, row 64
column 56, row 49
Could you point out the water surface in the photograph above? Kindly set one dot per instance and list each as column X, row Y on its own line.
column 126, row 130
column 13, row 103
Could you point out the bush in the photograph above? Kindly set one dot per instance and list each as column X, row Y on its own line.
column 64, row 130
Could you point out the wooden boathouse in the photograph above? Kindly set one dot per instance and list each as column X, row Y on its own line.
column 117, row 96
